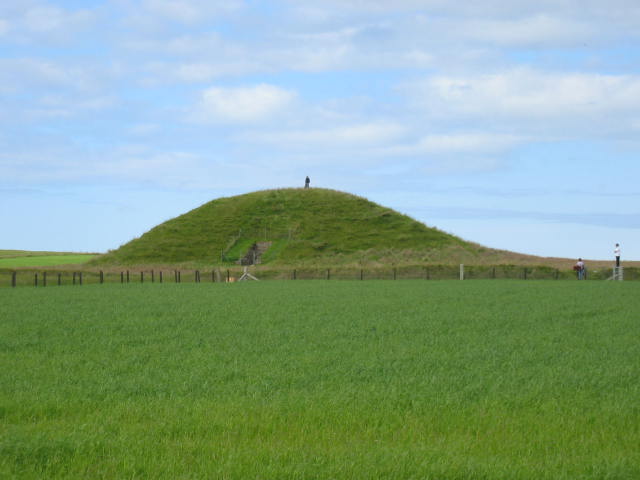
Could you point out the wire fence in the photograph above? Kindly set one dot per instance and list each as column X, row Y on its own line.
column 48, row 278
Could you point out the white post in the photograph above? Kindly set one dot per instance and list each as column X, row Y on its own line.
column 246, row 275
column 461, row 271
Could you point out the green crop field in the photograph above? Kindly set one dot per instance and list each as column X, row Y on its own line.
column 278, row 380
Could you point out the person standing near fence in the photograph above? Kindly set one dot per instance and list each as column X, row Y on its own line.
column 616, row 252
column 580, row 269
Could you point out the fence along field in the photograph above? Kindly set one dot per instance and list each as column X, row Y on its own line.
column 44, row 277
column 355, row 379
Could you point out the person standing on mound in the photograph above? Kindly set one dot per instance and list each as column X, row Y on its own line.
column 616, row 252
column 306, row 182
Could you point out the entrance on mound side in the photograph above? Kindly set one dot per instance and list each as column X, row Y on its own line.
column 254, row 254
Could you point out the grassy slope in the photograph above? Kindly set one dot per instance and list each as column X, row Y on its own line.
column 315, row 225
column 445, row 380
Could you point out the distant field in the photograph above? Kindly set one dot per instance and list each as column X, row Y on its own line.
column 374, row 379
column 23, row 258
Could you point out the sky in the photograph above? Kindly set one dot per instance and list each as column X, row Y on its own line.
column 514, row 124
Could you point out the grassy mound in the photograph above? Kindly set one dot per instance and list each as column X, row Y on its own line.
column 305, row 226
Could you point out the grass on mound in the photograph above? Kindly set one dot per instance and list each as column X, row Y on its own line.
column 305, row 225
column 434, row 380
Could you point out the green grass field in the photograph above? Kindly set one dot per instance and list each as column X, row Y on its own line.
column 279, row 380
column 45, row 260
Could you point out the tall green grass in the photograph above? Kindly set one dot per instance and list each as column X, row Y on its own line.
column 435, row 380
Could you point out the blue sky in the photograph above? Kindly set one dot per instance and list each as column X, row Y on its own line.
column 512, row 124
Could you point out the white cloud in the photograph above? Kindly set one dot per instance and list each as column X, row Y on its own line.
column 495, row 8
column 534, row 31
column 202, row 72
column 357, row 135
column 16, row 74
column 450, row 25
column 24, row 73
column 123, row 163
column 386, row 146
column 189, row 45
column 317, row 58
column 197, row 72
column 526, row 93
column 148, row 166
column 34, row 22
column 465, row 143
column 143, row 129
column 190, row 11
column 243, row 104
column 67, row 106
column 475, row 164
column 205, row 57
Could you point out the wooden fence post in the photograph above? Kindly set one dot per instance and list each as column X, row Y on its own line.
column 395, row 273
column 141, row 277
column 361, row 274
column 525, row 273
column 197, row 276
column 35, row 281
column 179, row 277
column 160, row 276
column 44, row 279
column 213, row 276
column 127, row 276
column 59, row 279
column 13, row 278
column 295, row 274
column 80, row 275
column 228, row 275
column 153, row 277
column 121, row 277
column 493, row 272
column 74, row 278
column 328, row 274
column 101, row 277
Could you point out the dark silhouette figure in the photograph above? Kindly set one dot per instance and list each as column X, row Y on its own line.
column 306, row 182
